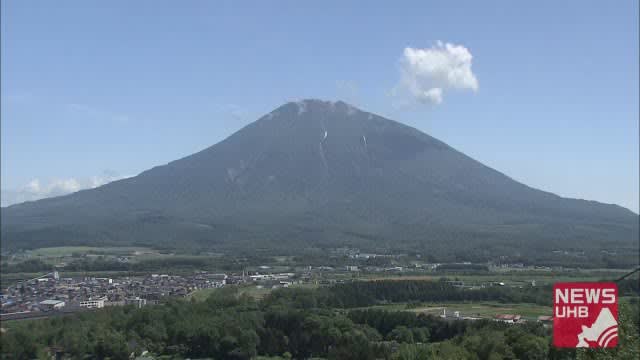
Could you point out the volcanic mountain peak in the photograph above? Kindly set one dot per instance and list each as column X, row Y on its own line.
column 304, row 106
column 316, row 171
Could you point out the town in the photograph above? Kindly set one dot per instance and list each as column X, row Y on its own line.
column 54, row 294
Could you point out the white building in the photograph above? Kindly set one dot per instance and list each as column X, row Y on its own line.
column 92, row 304
column 217, row 280
column 52, row 304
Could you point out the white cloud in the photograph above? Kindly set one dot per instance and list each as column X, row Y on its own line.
column 59, row 187
column 434, row 95
column 36, row 189
column 32, row 187
column 426, row 74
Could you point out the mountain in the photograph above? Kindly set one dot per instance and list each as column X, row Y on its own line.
column 316, row 173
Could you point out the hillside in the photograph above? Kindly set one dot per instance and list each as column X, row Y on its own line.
column 317, row 173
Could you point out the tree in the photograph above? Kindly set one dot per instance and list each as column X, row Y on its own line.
column 401, row 334
column 413, row 352
column 447, row 350
column 487, row 344
column 531, row 347
column 19, row 342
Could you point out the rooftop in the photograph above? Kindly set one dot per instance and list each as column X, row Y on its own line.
column 507, row 317
column 50, row 302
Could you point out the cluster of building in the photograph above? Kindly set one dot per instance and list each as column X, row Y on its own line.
column 53, row 292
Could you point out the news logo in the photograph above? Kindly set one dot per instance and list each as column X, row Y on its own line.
column 585, row 315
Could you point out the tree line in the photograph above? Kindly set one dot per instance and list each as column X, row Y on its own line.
column 289, row 323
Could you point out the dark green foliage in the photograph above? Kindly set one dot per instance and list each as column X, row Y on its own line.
column 629, row 286
column 174, row 263
column 291, row 323
column 462, row 267
column 367, row 293
column 28, row 266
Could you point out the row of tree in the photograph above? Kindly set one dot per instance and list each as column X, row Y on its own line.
column 289, row 323
column 367, row 293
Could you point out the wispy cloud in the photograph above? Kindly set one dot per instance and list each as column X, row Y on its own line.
column 426, row 74
column 37, row 189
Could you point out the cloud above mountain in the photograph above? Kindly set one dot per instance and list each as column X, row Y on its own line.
column 427, row 74
column 37, row 189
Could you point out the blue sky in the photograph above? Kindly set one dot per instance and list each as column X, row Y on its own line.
column 94, row 90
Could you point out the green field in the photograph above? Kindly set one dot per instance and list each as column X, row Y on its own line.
column 63, row 251
column 248, row 289
column 488, row 309
column 255, row 292
column 513, row 278
column 60, row 254
column 480, row 309
column 202, row 294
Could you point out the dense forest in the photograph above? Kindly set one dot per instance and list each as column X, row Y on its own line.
column 367, row 293
column 297, row 323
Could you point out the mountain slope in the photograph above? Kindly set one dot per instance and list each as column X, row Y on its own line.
column 322, row 173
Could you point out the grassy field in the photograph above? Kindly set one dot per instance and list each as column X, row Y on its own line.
column 255, row 292
column 510, row 278
column 480, row 309
column 61, row 254
column 249, row 289
column 487, row 309
column 63, row 251
column 202, row 294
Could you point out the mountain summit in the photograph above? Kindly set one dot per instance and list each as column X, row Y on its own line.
column 317, row 173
